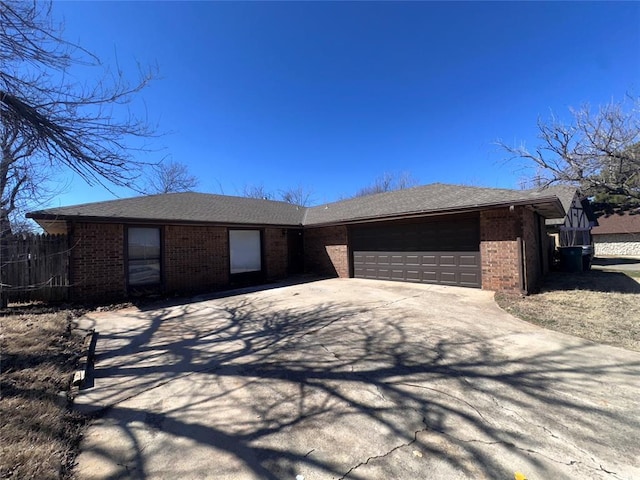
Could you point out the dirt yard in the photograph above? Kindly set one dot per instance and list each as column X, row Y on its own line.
column 601, row 306
column 39, row 434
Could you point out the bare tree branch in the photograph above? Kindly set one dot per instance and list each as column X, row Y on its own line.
column 388, row 182
column 50, row 120
column 257, row 191
column 170, row 177
column 598, row 151
column 297, row 196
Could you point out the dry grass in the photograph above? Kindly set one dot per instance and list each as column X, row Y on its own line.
column 38, row 433
column 600, row 306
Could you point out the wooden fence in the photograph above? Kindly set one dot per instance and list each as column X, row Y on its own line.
column 35, row 267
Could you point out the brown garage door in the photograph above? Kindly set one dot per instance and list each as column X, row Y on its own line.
column 438, row 251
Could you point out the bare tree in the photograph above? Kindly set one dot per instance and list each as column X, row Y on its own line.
column 294, row 195
column 257, row 191
column 388, row 182
column 49, row 120
column 297, row 196
column 170, row 177
column 598, row 151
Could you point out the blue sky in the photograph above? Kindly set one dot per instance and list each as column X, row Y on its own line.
column 328, row 96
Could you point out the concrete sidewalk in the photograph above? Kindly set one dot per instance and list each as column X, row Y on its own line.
column 354, row 379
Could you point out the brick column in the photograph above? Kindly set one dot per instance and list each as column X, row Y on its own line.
column 499, row 249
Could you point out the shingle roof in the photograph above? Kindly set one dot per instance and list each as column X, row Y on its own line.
column 627, row 222
column 210, row 208
column 184, row 207
column 434, row 198
column 565, row 194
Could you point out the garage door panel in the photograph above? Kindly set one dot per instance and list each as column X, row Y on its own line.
column 429, row 276
column 469, row 260
column 448, row 268
column 448, row 260
column 413, row 276
column 412, row 260
column 397, row 260
column 448, row 277
column 370, row 258
column 470, row 279
column 383, row 273
column 397, row 274
column 383, row 260
column 429, row 260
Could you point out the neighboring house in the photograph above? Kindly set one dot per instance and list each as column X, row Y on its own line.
column 618, row 234
column 487, row 238
column 574, row 228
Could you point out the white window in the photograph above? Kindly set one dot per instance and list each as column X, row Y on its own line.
column 144, row 256
column 245, row 251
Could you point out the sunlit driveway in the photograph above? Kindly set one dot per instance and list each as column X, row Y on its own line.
column 354, row 379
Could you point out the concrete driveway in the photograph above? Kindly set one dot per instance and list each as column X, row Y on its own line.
column 355, row 379
column 620, row 264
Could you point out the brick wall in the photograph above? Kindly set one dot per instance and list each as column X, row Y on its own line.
column 499, row 230
column 276, row 252
column 196, row 258
column 326, row 251
column 500, row 249
column 97, row 262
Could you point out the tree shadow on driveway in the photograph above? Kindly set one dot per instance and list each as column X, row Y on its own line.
column 256, row 387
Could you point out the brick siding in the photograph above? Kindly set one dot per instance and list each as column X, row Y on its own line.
column 97, row 262
column 500, row 249
column 326, row 251
column 276, row 252
column 499, row 229
column 196, row 258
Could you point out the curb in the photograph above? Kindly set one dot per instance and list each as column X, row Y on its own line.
column 84, row 362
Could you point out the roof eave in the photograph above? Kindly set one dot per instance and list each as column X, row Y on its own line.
column 52, row 226
column 41, row 218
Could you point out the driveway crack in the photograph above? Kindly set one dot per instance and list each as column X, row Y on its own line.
column 553, row 435
column 386, row 454
column 424, row 387
column 569, row 463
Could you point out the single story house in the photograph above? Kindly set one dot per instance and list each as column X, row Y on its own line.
column 487, row 238
column 618, row 234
